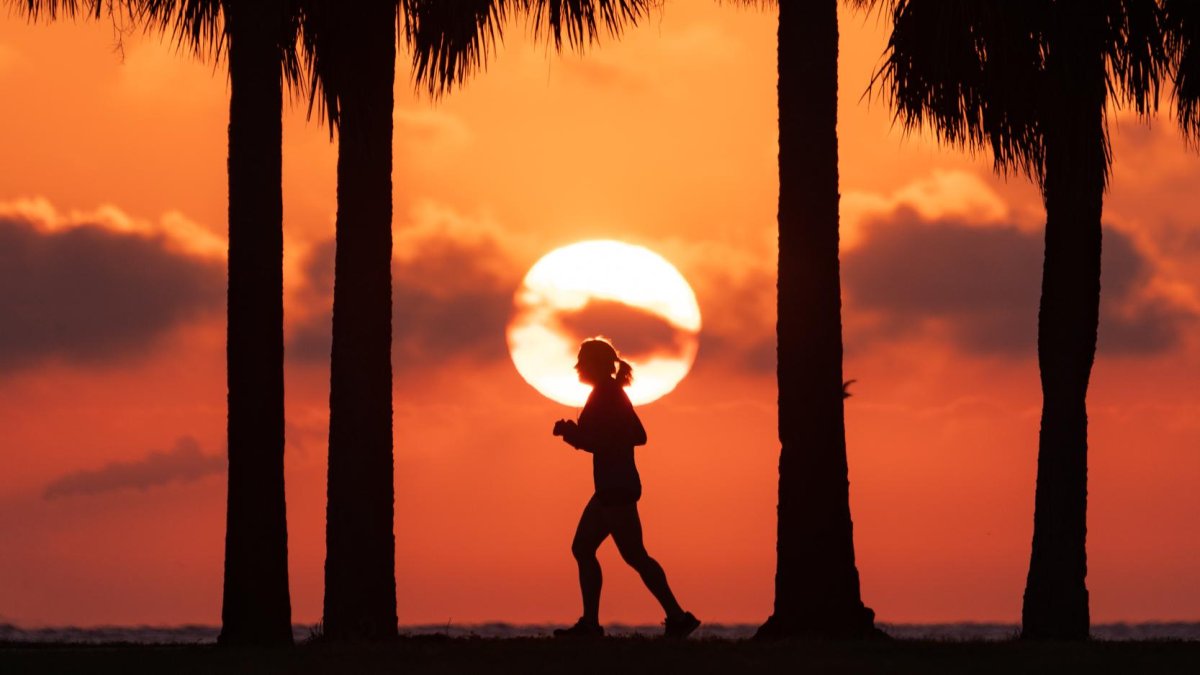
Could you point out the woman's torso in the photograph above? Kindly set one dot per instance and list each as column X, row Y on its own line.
column 609, row 417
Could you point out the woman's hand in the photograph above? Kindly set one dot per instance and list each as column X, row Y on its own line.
column 569, row 431
column 565, row 427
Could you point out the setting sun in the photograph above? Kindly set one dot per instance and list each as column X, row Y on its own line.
column 627, row 293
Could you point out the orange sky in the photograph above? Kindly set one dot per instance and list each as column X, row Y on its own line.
column 112, row 498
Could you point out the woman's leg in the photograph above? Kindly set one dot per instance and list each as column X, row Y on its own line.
column 591, row 532
column 626, row 528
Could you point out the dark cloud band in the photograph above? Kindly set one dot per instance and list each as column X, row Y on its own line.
column 982, row 283
column 183, row 463
column 89, row 295
column 636, row 332
column 976, row 284
column 450, row 300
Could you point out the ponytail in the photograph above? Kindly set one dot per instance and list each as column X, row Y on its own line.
column 624, row 375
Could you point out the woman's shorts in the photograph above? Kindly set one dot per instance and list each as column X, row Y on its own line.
column 618, row 497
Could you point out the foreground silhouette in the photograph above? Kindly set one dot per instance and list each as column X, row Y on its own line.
column 817, row 588
column 256, row 603
column 353, row 48
column 256, row 41
column 1032, row 82
column 608, row 428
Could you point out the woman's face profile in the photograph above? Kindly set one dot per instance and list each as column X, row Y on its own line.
column 584, row 375
column 590, row 372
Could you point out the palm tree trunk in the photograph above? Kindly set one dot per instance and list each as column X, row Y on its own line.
column 1056, row 596
column 360, row 578
column 256, row 607
column 816, row 581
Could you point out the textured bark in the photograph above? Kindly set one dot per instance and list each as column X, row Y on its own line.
column 816, row 581
column 256, row 607
column 360, row 578
column 1056, row 596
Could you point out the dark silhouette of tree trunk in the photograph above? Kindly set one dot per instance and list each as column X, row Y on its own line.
column 1030, row 81
column 256, row 607
column 1056, row 596
column 816, row 580
column 360, row 580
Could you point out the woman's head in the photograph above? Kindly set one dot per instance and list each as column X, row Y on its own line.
column 597, row 361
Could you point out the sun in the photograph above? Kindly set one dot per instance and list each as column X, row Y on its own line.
column 626, row 293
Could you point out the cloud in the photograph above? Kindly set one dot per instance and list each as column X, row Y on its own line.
column 174, row 230
column 431, row 128
column 636, row 331
column 451, row 299
column 943, row 194
column 975, row 283
column 981, row 285
column 87, row 293
column 596, row 70
column 738, row 306
column 183, row 463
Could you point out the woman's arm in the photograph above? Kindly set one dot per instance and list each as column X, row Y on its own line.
column 578, row 438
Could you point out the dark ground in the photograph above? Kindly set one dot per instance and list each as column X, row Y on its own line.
column 612, row 656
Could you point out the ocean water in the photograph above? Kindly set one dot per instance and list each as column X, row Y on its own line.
column 943, row 631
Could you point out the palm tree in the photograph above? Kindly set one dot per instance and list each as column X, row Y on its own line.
column 1031, row 81
column 352, row 51
column 258, row 38
column 256, row 607
column 817, row 588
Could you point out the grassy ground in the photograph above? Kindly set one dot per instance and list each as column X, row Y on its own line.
column 613, row 656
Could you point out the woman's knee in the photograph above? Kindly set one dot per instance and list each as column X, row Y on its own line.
column 582, row 551
column 635, row 556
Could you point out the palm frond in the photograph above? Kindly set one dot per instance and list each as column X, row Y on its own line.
column 294, row 74
column 1181, row 23
column 451, row 39
column 36, row 10
column 193, row 24
column 326, row 28
column 201, row 26
column 1135, row 52
column 580, row 20
column 969, row 70
column 758, row 4
column 318, row 56
column 873, row 5
column 987, row 73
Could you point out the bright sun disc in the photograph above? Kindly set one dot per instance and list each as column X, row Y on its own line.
column 627, row 293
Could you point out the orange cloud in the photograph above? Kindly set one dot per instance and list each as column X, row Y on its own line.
column 451, row 298
column 90, row 293
column 981, row 284
column 185, row 462
column 635, row 331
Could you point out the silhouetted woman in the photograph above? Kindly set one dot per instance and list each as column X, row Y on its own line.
column 609, row 429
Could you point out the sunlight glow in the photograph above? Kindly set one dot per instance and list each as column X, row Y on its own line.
column 565, row 281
